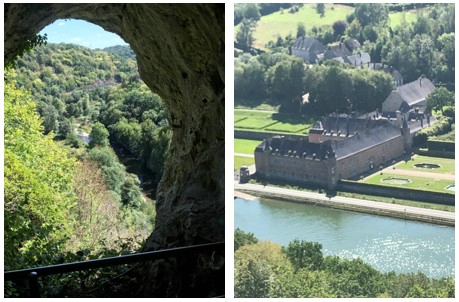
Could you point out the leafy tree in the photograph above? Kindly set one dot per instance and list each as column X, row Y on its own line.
column 339, row 27
column 285, row 81
column 242, row 238
column 38, row 194
column 371, row 13
column 256, row 268
column 244, row 35
column 440, row 97
column 300, row 30
column 99, row 135
column 304, row 254
column 320, row 9
column 252, row 12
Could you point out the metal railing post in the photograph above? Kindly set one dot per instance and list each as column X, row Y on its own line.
column 33, row 285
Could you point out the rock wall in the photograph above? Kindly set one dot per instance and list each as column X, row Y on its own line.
column 180, row 54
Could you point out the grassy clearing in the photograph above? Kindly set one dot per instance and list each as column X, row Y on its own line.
column 396, row 18
column 417, row 183
column 271, row 121
column 246, row 146
column 240, row 161
column 447, row 165
column 282, row 23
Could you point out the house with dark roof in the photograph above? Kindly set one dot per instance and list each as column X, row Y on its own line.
column 336, row 51
column 411, row 96
column 307, row 48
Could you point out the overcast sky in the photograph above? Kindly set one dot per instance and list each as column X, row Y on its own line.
column 81, row 33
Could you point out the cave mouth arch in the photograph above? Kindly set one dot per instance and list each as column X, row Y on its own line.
column 180, row 54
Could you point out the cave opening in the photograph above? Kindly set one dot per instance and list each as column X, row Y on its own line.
column 180, row 54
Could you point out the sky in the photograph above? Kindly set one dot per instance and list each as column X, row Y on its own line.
column 82, row 33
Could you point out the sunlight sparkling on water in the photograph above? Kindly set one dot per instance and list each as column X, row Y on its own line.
column 387, row 244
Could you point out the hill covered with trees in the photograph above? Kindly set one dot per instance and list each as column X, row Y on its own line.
column 67, row 195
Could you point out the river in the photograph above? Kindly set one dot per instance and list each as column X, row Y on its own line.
column 388, row 244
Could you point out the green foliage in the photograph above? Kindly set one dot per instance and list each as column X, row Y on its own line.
column 263, row 270
column 244, row 35
column 38, row 186
column 442, row 126
column 303, row 254
column 242, row 238
column 256, row 268
column 99, row 135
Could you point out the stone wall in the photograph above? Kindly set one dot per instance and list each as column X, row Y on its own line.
column 295, row 169
column 355, row 164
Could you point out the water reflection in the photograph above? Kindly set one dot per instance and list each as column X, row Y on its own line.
column 386, row 243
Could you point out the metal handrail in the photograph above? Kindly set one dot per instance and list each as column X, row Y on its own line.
column 32, row 274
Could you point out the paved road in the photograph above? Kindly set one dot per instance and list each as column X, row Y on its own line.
column 348, row 201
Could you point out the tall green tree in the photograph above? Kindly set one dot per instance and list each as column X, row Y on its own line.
column 38, row 189
column 244, row 35
column 99, row 135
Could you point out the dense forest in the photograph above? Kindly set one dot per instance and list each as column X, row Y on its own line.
column 265, row 269
column 68, row 196
column 424, row 47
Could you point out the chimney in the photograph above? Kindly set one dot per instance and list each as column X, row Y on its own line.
column 420, row 81
column 339, row 45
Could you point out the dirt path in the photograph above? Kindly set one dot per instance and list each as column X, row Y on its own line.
column 434, row 175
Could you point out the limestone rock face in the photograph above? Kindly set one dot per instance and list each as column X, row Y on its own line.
column 180, row 54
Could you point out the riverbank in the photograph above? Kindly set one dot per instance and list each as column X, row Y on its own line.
column 351, row 204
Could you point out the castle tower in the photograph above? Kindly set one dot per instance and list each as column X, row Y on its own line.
column 405, row 130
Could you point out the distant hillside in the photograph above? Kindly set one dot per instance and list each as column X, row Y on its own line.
column 122, row 50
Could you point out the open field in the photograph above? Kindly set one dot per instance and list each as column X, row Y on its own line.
column 446, row 164
column 246, row 146
column 417, row 183
column 271, row 121
column 283, row 23
column 243, row 161
column 395, row 18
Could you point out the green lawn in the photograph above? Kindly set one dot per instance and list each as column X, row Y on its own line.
column 447, row 165
column 240, row 161
column 246, row 146
column 271, row 121
column 282, row 23
column 395, row 18
column 417, row 183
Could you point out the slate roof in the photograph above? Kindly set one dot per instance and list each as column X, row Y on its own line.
column 364, row 133
column 334, row 51
column 308, row 44
column 359, row 59
column 303, row 148
column 412, row 94
column 363, row 140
